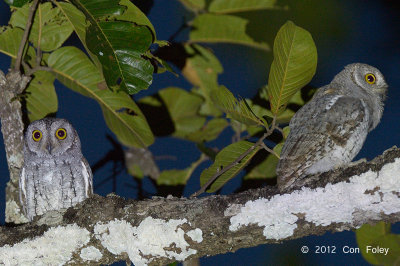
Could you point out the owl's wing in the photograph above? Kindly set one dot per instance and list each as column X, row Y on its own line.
column 316, row 130
column 22, row 190
column 87, row 177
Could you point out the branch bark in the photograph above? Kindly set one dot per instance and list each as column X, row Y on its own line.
column 12, row 128
column 102, row 230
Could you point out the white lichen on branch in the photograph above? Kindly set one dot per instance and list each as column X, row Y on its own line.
column 55, row 247
column 372, row 192
column 152, row 238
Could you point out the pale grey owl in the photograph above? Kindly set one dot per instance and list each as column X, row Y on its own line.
column 330, row 130
column 55, row 174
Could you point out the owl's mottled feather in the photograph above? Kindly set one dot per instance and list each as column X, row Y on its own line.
column 55, row 174
column 330, row 130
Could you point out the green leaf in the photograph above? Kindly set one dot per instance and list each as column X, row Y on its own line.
column 266, row 169
column 174, row 177
column 78, row 22
column 201, row 69
column 183, row 108
column 122, row 115
column 278, row 148
column 195, row 5
column 392, row 242
column 49, row 30
column 10, row 39
column 237, row 110
column 294, row 65
column 16, row 3
column 368, row 235
column 286, row 131
column 209, row 131
column 119, row 45
column 41, row 97
column 134, row 14
column 231, row 6
column 224, row 158
column 212, row 28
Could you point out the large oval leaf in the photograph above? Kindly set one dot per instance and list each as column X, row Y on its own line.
column 122, row 115
column 294, row 65
column 49, row 30
column 201, row 69
column 224, row 158
column 119, row 45
column 10, row 39
column 182, row 107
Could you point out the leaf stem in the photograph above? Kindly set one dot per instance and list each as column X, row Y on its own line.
column 24, row 39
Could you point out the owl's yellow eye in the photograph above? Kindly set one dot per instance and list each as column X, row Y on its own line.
column 61, row 133
column 370, row 78
column 36, row 135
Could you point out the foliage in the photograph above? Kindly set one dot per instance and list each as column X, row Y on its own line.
column 118, row 55
column 117, row 61
column 378, row 235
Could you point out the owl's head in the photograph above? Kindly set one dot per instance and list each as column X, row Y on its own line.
column 51, row 137
column 366, row 77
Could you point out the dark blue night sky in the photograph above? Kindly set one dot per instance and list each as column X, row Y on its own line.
column 357, row 31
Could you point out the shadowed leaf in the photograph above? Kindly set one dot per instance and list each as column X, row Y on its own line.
column 212, row 28
column 231, row 6
column 16, row 3
column 120, row 46
column 266, row 169
column 41, row 97
column 209, row 131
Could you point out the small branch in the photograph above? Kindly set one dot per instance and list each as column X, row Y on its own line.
column 270, row 150
column 38, row 68
column 24, row 39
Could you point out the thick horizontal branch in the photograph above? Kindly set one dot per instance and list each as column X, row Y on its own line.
column 102, row 230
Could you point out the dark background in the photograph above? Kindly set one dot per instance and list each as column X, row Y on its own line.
column 344, row 32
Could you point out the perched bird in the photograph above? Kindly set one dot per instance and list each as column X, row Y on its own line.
column 330, row 130
column 55, row 174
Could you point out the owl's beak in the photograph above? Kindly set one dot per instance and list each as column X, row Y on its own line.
column 49, row 148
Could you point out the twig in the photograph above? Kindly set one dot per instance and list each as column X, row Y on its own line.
column 38, row 68
column 24, row 39
column 234, row 163
column 225, row 169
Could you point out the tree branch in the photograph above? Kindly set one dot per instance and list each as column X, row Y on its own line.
column 161, row 230
column 12, row 128
column 24, row 39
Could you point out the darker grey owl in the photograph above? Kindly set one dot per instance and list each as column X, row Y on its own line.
column 55, row 174
column 330, row 130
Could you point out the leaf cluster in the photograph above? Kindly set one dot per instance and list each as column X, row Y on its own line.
column 116, row 62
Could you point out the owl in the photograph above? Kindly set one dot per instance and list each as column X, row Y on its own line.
column 55, row 174
column 330, row 130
